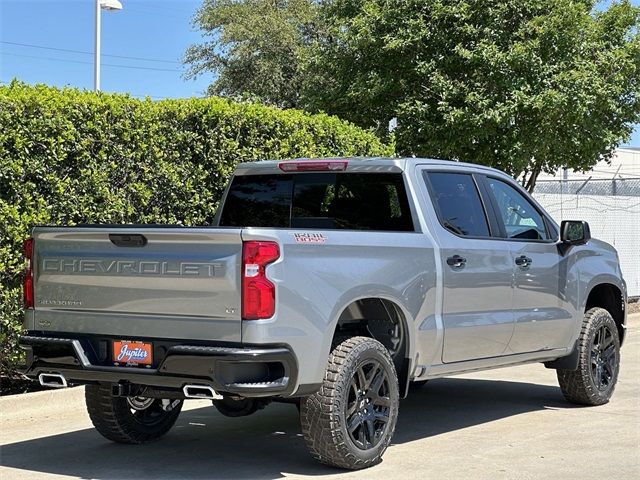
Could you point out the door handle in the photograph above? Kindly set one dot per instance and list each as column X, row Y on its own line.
column 523, row 261
column 456, row 261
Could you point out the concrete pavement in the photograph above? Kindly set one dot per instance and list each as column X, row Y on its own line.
column 504, row 424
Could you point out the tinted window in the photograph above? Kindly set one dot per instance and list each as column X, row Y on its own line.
column 521, row 219
column 356, row 201
column 458, row 204
column 258, row 201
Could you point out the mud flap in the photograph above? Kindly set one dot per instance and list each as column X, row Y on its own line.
column 569, row 362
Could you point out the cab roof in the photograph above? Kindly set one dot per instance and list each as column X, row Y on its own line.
column 358, row 164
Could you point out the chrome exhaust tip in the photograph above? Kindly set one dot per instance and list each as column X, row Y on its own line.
column 54, row 380
column 201, row 391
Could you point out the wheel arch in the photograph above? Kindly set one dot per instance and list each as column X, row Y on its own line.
column 368, row 315
column 611, row 297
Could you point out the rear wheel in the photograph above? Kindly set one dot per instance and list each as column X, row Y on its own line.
column 599, row 361
column 130, row 419
column 349, row 422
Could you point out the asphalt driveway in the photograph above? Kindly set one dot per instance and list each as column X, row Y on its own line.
column 508, row 423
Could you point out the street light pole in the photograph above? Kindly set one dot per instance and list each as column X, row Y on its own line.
column 96, row 59
column 106, row 5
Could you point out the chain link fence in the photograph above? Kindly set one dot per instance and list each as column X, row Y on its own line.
column 612, row 208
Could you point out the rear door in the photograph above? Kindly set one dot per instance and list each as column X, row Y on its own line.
column 477, row 270
column 178, row 283
column 543, row 318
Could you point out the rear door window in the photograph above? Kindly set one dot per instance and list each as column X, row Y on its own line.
column 353, row 201
column 457, row 203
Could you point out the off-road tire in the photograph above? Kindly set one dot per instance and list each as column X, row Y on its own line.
column 581, row 386
column 324, row 415
column 114, row 420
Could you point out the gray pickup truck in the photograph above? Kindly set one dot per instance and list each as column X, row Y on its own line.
column 331, row 283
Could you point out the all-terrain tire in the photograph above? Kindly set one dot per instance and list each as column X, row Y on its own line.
column 595, row 379
column 360, row 385
column 116, row 420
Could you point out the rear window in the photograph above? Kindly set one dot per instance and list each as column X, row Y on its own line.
column 353, row 201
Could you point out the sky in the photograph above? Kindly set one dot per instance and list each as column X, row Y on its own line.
column 156, row 30
column 36, row 36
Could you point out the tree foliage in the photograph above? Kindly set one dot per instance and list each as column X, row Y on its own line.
column 254, row 47
column 522, row 85
column 69, row 156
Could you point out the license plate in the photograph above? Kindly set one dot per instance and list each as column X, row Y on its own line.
column 128, row 352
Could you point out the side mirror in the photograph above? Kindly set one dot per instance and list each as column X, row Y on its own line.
column 574, row 232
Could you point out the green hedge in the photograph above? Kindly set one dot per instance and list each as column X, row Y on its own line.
column 70, row 156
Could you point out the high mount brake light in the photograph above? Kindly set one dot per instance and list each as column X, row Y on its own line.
column 258, row 293
column 314, row 166
column 27, row 279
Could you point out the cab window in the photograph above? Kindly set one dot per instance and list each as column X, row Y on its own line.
column 521, row 219
column 349, row 201
column 457, row 203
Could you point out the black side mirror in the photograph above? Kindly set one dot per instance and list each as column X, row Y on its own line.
column 574, row 232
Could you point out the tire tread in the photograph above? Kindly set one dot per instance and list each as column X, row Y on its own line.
column 321, row 412
column 106, row 414
column 576, row 385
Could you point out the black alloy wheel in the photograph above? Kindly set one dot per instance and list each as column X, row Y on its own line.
column 368, row 405
column 603, row 358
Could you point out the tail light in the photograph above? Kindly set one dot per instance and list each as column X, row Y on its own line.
column 258, row 293
column 27, row 282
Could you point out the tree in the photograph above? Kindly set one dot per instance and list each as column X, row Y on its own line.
column 255, row 47
column 522, row 85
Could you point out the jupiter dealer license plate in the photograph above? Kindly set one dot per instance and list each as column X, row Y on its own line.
column 132, row 353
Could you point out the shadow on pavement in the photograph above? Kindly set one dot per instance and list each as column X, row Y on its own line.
column 204, row 444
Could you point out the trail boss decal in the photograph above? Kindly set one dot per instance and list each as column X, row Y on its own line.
column 309, row 238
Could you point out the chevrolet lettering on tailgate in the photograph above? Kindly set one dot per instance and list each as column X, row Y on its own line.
column 131, row 267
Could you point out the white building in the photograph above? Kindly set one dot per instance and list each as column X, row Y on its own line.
column 608, row 197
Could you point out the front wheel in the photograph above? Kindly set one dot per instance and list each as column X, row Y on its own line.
column 130, row 419
column 349, row 422
column 599, row 361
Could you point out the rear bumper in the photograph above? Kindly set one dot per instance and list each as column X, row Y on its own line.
column 247, row 371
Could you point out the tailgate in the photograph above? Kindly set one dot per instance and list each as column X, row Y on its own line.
column 180, row 283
